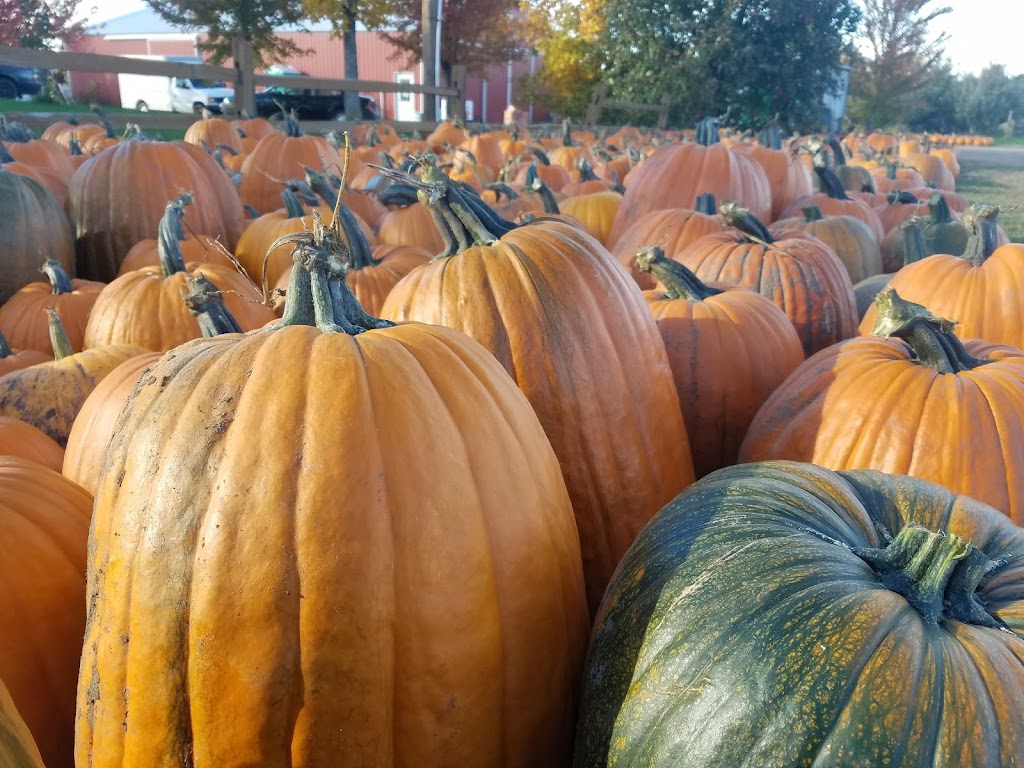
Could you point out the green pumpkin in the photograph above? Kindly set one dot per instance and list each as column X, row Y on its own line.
column 783, row 615
column 33, row 228
column 944, row 234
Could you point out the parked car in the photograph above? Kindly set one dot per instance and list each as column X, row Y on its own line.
column 308, row 104
column 171, row 94
column 20, row 81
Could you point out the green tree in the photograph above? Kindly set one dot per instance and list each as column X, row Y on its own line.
column 566, row 34
column 474, row 33
column 755, row 57
column 344, row 15
column 39, row 24
column 899, row 59
column 986, row 99
column 228, row 21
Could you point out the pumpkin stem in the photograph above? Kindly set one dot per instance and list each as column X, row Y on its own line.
column 318, row 293
column 359, row 246
column 939, row 209
column 706, row 204
column 937, row 573
column 58, row 336
column 706, row 133
column 292, row 204
column 206, row 304
column 5, row 347
column 541, row 155
column 930, row 338
column 170, row 233
column 679, row 281
column 586, row 170
column 901, row 196
column 740, row 218
column 75, row 147
column 812, row 213
column 107, row 125
column 770, row 135
column 402, row 195
column 59, row 280
column 914, row 246
column 536, row 183
column 5, row 155
column 980, row 221
column 567, row 140
column 321, row 185
column 500, row 189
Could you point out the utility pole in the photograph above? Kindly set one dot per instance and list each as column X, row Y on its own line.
column 431, row 13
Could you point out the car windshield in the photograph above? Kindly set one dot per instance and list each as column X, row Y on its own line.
column 197, row 83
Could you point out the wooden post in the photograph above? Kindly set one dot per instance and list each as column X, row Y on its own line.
column 666, row 101
column 457, row 104
column 594, row 110
column 429, row 57
column 245, row 91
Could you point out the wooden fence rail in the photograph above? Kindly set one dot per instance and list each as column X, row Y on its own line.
column 241, row 76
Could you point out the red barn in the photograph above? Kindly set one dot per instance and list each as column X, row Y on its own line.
column 144, row 32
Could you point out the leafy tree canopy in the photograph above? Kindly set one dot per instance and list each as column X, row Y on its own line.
column 755, row 57
column 39, row 24
column 225, row 20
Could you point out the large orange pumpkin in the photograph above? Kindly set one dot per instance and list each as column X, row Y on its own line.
column 23, row 318
column 44, row 527
column 212, row 132
column 281, row 569
column 672, row 230
column 983, row 290
column 279, row 157
column 909, row 400
column 676, row 174
column 408, row 222
column 728, row 347
column 49, row 395
column 573, row 330
column 788, row 178
column 799, row 273
column 118, row 197
column 834, row 200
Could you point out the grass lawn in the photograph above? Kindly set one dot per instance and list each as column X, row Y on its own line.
column 982, row 182
column 118, row 116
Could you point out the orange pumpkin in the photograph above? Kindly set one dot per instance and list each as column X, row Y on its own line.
column 17, row 747
column 536, row 297
column 11, row 360
column 728, row 347
column 118, row 197
column 279, row 157
column 672, row 230
column 49, row 395
column 909, row 400
column 595, row 212
column 676, row 174
column 212, row 132
column 145, row 307
column 410, row 401
column 848, row 237
column 800, row 274
column 23, row 318
column 983, row 289
column 408, row 222
column 44, row 527
column 19, row 438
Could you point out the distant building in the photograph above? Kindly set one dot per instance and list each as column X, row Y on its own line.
column 145, row 32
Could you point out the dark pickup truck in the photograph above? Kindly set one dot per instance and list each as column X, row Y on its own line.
column 308, row 104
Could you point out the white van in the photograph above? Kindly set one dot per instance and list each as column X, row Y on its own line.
column 171, row 94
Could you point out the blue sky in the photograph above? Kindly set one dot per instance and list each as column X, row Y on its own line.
column 981, row 31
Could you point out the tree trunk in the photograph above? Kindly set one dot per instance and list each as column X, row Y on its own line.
column 429, row 56
column 352, row 109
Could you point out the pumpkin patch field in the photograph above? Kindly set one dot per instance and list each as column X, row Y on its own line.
column 549, row 448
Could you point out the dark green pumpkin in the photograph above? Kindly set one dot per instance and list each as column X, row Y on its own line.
column 33, row 228
column 765, row 618
column 944, row 234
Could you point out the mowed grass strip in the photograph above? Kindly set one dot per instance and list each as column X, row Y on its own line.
column 995, row 178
